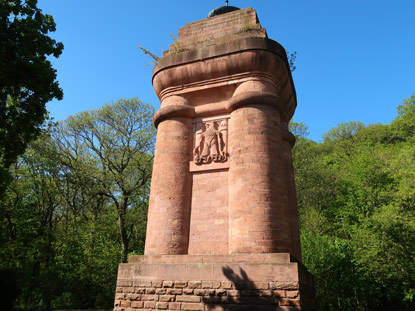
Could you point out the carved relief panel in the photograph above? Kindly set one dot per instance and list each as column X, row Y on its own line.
column 210, row 144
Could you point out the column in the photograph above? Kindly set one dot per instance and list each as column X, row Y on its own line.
column 169, row 206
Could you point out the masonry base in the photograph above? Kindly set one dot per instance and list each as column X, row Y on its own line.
column 214, row 282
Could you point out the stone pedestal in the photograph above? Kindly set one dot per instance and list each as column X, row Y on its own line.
column 214, row 282
column 222, row 229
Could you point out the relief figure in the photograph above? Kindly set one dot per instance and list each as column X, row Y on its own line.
column 210, row 145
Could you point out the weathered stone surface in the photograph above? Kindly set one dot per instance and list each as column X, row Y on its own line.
column 247, row 281
column 222, row 230
column 224, row 116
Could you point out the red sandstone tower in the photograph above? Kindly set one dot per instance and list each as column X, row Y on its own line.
column 222, row 229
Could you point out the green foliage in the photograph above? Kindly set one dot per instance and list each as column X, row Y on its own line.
column 153, row 56
column 404, row 124
column 343, row 131
column 300, row 130
column 27, row 79
column 246, row 23
column 176, row 45
column 109, row 152
column 291, row 60
column 60, row 239
column 356, row 197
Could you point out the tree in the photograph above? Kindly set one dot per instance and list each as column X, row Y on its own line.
column 30, row 210
column 356, row 201
column 404, row 124
column 60, row 241
column 59, row 245
column 109, row 152
column 299, row 130
column 27, row 79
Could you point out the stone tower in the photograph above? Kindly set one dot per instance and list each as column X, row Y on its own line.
column 222, row 229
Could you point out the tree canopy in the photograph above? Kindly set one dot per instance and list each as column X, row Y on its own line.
column 356, row 198
column 27, row 78
column 77, row 206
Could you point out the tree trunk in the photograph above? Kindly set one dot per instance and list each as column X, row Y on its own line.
column 124, row 236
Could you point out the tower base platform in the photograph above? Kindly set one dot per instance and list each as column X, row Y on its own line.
column 250, row 282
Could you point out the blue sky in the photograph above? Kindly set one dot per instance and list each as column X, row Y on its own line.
column 355, row 58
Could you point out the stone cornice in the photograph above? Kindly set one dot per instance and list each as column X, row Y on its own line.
column 247, row 98
column 245, row 55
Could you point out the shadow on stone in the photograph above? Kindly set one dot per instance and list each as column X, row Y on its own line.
column 242, row 293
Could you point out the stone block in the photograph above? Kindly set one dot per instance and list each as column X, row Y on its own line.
column 162, row 305
column 188, row 299
column 160, row 291
column 137, row 304
column 188, row 291
column 195, row 284
column 167, row 298
column 193, row 306
column 157, row 284
column 174, row 291
column 168, row 283
column 149, row 297
column 174, row 305
column 180, row 284
column 149, row 304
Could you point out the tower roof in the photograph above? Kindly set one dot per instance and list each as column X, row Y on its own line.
column 222, row 10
